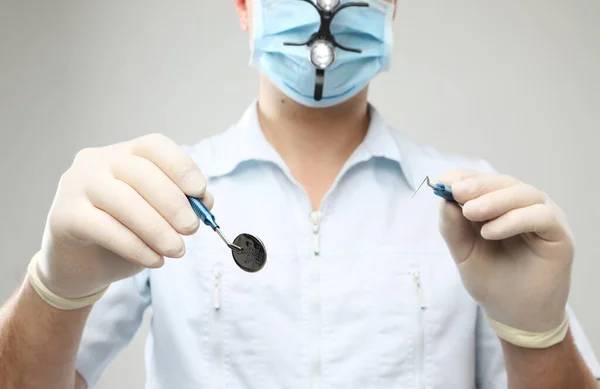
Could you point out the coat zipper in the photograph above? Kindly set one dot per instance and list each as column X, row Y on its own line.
column 217, row 276
column 315, row 219
column 420, row 341
column 315, row 304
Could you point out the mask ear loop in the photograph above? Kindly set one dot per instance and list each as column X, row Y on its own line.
column 324, row 34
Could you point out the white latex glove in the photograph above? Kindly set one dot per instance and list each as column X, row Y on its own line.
column 119, row 209
column 512, row 246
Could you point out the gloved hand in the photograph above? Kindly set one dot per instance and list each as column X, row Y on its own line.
column 118, row 209
column 513, row 249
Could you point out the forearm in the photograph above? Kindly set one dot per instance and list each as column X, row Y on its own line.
column 38, row 343
column 558, row 367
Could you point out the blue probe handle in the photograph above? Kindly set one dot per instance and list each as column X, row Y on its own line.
column 444, row 192
column 203, row 212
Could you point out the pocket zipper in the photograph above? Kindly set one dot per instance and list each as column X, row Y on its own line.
column 420, row 341
column 217, row 288
column 217, row 275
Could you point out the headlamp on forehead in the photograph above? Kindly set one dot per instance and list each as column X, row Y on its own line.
column 328, row 5
column 322, row 43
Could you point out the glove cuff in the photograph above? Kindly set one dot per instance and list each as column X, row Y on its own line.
column 51, row 298
column 528, row 339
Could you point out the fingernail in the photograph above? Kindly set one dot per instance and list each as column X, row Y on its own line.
column 154, row 263
column 197, row 185
column 186, row 219
column 181, row 252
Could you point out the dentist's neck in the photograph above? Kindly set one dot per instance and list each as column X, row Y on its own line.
column 314, row 142
column 297, row 131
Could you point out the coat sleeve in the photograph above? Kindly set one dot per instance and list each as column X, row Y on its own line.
column 113, row 322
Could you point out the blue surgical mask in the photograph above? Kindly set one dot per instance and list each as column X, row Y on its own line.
column 321, row 72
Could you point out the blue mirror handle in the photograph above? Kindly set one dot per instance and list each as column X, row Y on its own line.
column 203, row 213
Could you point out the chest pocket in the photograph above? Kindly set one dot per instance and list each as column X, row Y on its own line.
column 252, row 318
column 375, row 318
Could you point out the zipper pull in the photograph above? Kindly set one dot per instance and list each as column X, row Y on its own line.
column 416, row 276
column 217, row 288
column 315, row 219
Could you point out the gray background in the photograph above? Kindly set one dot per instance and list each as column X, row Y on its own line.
column 516, row 82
